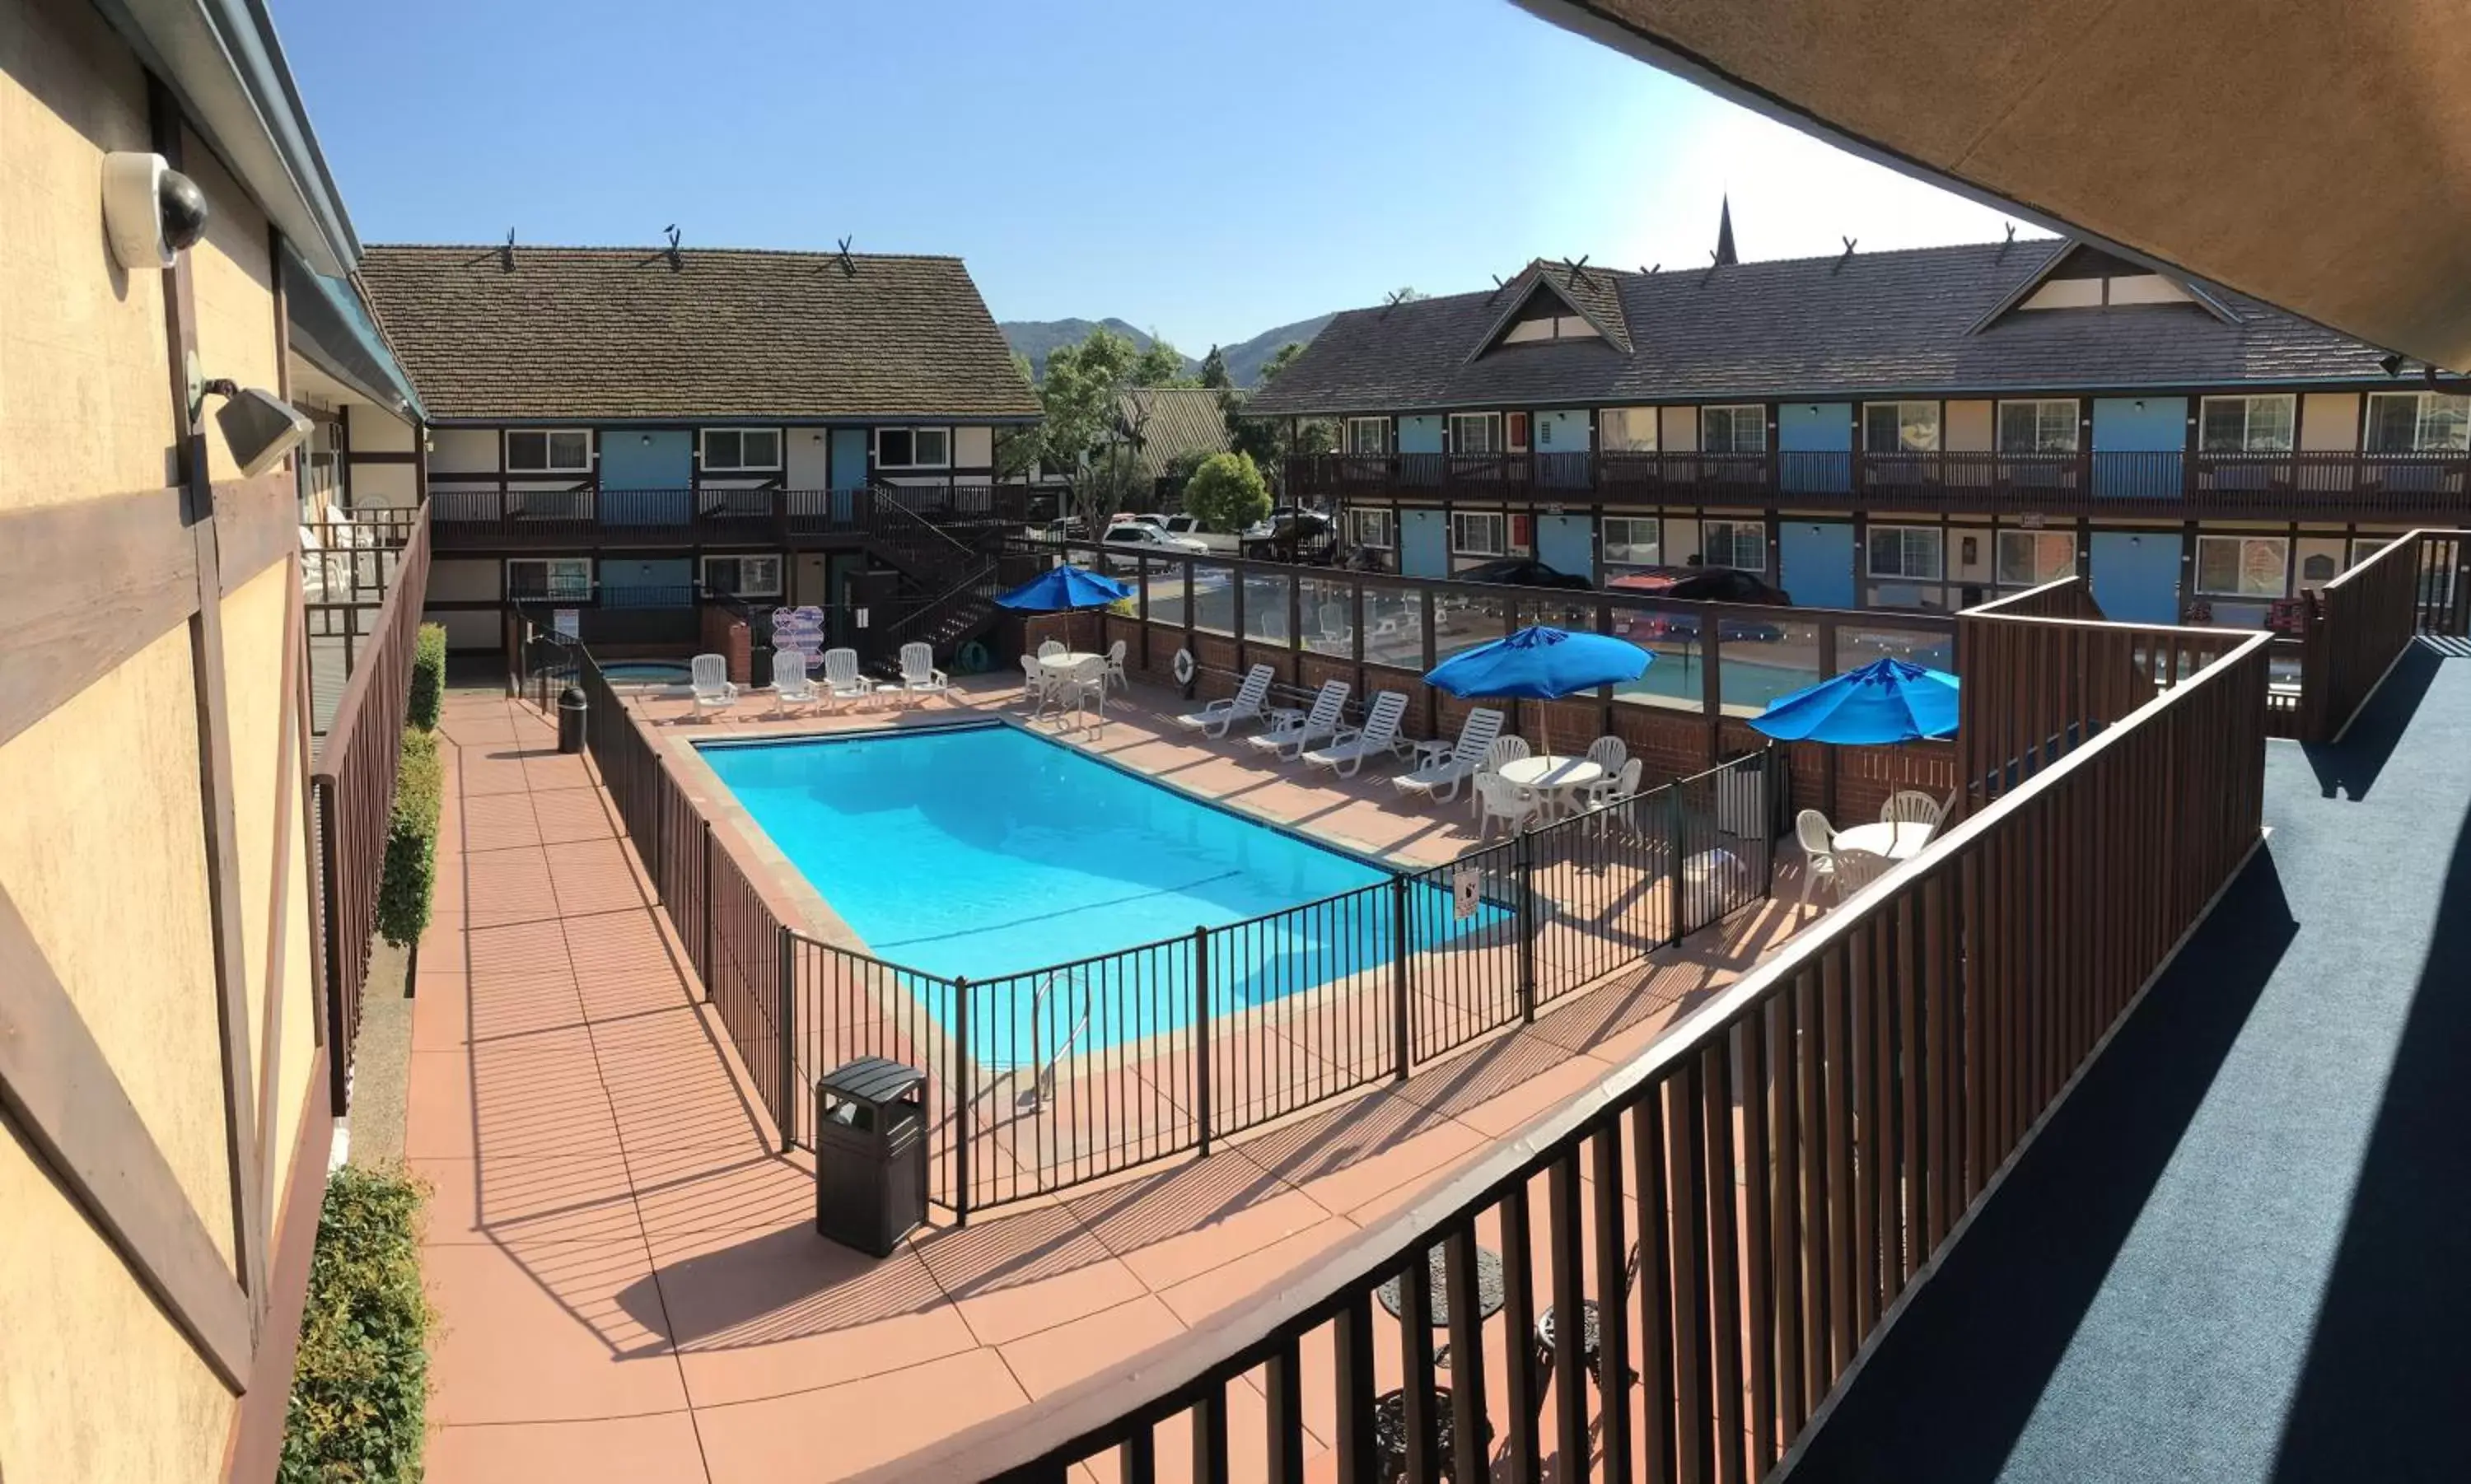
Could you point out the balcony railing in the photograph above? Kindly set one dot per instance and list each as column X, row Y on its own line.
column 476, row 519
column 2354, row 485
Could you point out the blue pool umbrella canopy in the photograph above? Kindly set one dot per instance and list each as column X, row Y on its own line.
column 1884, row 701
column 1062, row 589
column 1539, row 663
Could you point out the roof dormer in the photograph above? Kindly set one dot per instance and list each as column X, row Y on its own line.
column 2079, row 276
column 1558, row 301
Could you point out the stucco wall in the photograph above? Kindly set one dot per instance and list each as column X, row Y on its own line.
column 462, row 451
column 1966, row 427
column 2329, row 421
column 235, row 296
column 974, row 448
column 463, row 579
column 1680, row 429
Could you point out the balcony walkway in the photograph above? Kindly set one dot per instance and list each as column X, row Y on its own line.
column 2239, row 1251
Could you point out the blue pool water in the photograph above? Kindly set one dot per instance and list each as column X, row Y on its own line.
column 988, row 852
column 645, row 672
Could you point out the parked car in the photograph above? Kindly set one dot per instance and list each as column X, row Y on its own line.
column 1279, row 515
column 1133, row 540
column 1303, row 537
column 1172, row 524
column 1697, row 584
column 1523, row 572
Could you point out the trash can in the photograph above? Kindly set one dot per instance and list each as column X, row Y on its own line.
column 870, row 1154
column 572, row 704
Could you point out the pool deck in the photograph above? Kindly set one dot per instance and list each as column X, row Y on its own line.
column 628, row 1281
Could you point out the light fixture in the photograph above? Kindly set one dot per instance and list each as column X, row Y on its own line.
column 2391, row 364
column 2140, row 404
column 647, row 440
column 259, row 427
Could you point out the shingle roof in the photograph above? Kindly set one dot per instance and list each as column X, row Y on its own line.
column 1875, row 322
column 1590, row 291
column 617, row 333
column 1171, row 420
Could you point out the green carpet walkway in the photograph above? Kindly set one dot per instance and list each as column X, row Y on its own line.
column 2243, row 1250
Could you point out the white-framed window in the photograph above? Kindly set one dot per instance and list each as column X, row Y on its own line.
column 1477, row 533
column 1626, row 429
column 913, row 447
column 1475, row 433
column 548, row 577
column 549, row 451
column 1911, row 553
column 1633, row 541
column 1900, row 427
column 727, row 450
column 2365, row 546
column 2247, row 425
column 1742, row 544
column 1374, row 528
column 2243, row 566
column 2030, row 559
column 1733, row 430
column 742, row 576
column 1368, row 436
column 2418, row 422
column 2043, row 427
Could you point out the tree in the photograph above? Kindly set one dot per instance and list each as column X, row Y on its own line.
column 1267, row 440
column 1081, row 395
column 1213, row 369
column 1160, row 365
column 1227, row 492
column 1280, row 360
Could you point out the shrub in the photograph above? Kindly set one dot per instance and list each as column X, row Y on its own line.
column 360, row 1389
column 1227, row 492
column 428, row 676
column 412, row 841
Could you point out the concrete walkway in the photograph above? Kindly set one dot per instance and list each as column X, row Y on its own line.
column 630, row 1285
column 2239, row 1252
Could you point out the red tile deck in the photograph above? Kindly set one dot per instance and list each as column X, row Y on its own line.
column 629, row 1281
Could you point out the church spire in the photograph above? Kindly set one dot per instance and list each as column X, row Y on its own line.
column 1724, row 254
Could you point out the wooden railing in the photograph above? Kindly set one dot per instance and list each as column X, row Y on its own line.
column 2358, row 486
column 517, row 519
column 1743, row 1206
column 351, row 788
column 2061, row 598
column 2361, row 623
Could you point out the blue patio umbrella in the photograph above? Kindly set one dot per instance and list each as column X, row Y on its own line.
column 1539, row 663
column 1884, row 701
column 1063, row 589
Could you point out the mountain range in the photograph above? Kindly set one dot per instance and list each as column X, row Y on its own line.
column 1037, row 338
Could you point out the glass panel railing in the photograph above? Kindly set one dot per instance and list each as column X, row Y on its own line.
column 1394, row 626
column 1676, row 671
column 1265, row 606
column 1856, row 647
column 1328, row 609
column 1463, row 621
column 1213, row 599
column 1764, row 658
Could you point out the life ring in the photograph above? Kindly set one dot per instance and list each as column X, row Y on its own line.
column 1184, row 668
column 971, row 659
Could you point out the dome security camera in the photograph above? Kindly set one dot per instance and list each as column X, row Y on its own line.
column 150, row 212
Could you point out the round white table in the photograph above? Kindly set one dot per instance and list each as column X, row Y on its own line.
column 1561, row 778
column 1057, row 666
column 1896, row 841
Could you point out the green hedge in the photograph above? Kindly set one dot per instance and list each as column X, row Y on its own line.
column 412, row 841
column 359, row 1391
column 428, row 676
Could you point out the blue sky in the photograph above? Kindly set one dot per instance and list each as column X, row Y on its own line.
column 1205, row 171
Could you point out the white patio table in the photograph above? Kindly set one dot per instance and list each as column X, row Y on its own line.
column 1896, row 841
column 1563, row 780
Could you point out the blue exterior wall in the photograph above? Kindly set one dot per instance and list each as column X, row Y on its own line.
column 1423, row 544
column 1560, row 432
column 1420, row 435
column 634, row 465
column 1815, row 446
column 1817, row 561
column 1566, row 543
column 2136, row 575
column 2138, row 425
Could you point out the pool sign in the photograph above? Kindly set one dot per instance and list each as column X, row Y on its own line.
column 568, row 623
column 799, row 631
column 1466, row 892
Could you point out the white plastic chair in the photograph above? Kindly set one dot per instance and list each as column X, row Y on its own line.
column 1320, row 724
column 1910, row 806
column 1818, row 850
column 843, row 681
column 1439, row 780
column 1620, row 788
column 1504, row 750
column 1033, row 681
column 919, row 676
column 1334, row 625
column 791, row 685
column 1498, row 798
column 1082, row 687
column 1249, row 703
column 1115, row 675
column 1608, row 753
column 1857, row 868
column 713, row 690
column 1048, row 649
column 1378, row 734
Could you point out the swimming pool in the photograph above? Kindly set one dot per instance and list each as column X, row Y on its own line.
column 990, row 852
column 645, row 672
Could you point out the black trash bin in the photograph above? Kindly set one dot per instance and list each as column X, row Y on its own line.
column 572, row 704
column 870, row 1154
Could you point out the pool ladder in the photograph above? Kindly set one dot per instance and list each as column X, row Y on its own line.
column 1042, row 1088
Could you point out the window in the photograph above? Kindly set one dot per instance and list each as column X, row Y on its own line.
column 548, row 577
column 913, row 447
column 1633, row 541
column 1908, row 552
column 1733, row 430
column 2047, row 427
column 1900, row 427
column 741, row 448
column 2365, row 546
column 1372, row 530
column 1475, row 433
column 2418, row 422
column 1368, row 436
column 2030, row 559
column 742, row 576
column 1742, row 544
column 1627, row 429
column 1475, row 533
column 547, row 450
column 2245, row 425
column 2242, row 566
